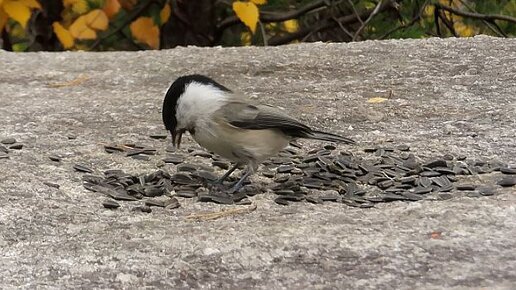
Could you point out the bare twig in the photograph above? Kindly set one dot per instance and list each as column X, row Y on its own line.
column 323, row 24
column 355, row 11
column 343, row 28
column 264, row 36
column 273, row 17
column 488, row 17
column 222, row 213
column 447, row 23
column 436, row 21
column 364, row 24
column 496, row 29
column 408, row 24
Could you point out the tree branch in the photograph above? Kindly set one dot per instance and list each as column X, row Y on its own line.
column 325, row 24
column 410, row 23
column 272, row 17
column 488, row 17
column 375, row 11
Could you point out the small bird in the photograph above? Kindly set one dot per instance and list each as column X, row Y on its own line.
column 230, row 125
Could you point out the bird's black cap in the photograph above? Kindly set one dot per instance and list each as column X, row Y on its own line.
column 175, row 91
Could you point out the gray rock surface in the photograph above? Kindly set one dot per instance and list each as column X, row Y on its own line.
column 454, row 96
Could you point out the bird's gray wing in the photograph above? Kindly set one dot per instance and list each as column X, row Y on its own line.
column 257, row 117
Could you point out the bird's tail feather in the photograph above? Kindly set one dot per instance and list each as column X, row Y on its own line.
column 319, row 135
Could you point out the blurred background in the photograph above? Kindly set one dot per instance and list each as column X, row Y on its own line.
column 99, row 25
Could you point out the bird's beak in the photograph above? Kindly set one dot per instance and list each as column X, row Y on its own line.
column 176, row 137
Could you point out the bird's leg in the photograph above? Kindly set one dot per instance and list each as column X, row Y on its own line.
column 240, row 183
column 227, row 174
column 250, row 169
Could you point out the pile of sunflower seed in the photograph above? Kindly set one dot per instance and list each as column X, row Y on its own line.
column 7, row 144
column 385, row 174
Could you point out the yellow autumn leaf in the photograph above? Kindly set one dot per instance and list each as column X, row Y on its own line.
column 164, row 14
column 30, row 3
column 3, row 18
column 259, row 2
column 64, row 36
column 245, row 38
column 17, row 11
column 79, row 6
column 80, row 30
column 128, row 4
column 291, row 25
column 145, row 31
column 376, row 100
column 111, row 8
column 248, row 13
column 97, row 19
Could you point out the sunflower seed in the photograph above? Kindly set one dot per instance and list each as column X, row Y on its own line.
column 8, row 141
column 158, row 136
column 331, row 197
column 445, row 188
column 507, row 170
column 422, row 190
column 220, row 164
column 122, row 196
column 486, row 190
column 387, row 197
column 284, row 168
column 215, row 198
column 281, row 201
column 430, row 173
column 440, row 181
column 445, row 196
column 153, row 202
column 507, row 181
column 407, row 179
column 314, row 200
column 186, row 167
column 152, row 191
column 17, row 146
column 205, row 175
column 174, row 159
column 141, row 157
column 50, row 184
column 281, row 178
column 82, row 168
column 436, row 163
column 144, row 208
column 294, row 197
column 412, row 196
column 171, row 203
column 186, row 193
column 244, row 201
column 465, row 186
column 95, row 179
column 111, row 204
column 403, row 147
column 370, row 150
column 385, row 184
